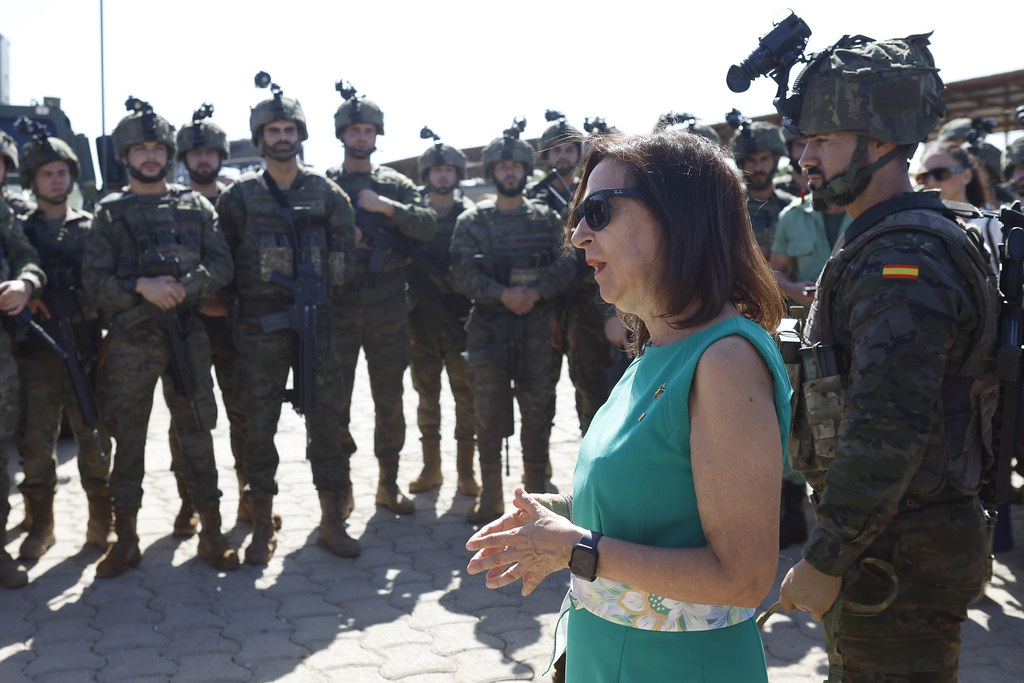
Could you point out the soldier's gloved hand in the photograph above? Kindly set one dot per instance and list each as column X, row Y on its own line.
column 373, row 202
column 14, row 295
column 163, row 291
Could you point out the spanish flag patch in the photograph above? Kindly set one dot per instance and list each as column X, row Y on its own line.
column 899, row 271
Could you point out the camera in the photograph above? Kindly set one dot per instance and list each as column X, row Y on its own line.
column 774, row 56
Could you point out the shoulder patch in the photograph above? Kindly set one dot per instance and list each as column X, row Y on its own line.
column 899, row 271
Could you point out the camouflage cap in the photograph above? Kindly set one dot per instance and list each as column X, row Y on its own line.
column 139, row 127
column 558, row 133
column 198, row 134
column 1013, row 156
column 507, row 148
column 9, row 150
column 358, row 110
column 441, row 155
column 37, row 153
column 277, row 108
column 756, row 137
column 956, row 128
column 887, row 89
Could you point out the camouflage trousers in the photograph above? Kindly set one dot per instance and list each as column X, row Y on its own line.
column 437, row 345
column 589, row 353
column 224, row 356
column 939, row 555
column 46, row 395
column 261, row 375
column 9, row 401
column 534, row 390
column 381, row 328
column 136, row 359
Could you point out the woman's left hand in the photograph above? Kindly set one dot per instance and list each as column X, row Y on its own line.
column 528, row 543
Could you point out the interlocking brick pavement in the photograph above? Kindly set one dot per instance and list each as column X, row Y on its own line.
column 405, row 610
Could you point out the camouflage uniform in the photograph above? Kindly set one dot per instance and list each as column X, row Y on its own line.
column 370, row 312
column 764, row 214
column 182, row 224
column 492, row 250
column 261, row 241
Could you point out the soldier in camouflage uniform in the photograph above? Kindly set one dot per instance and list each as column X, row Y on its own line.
column 436, row 316
column 371, row 311
column 59, row 234
column 757, row 147
column 154, row 252
column 267, row 215
column 506, row 257
column 9, row 160
column 899, row 387
column 20, row 279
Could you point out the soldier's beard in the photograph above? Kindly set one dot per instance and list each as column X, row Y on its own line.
column 440, row 189
column 761, row 184
column 204, row 178
column 835, row 199
column 282, row 151
column 56, row 200
column 148, row 179
column 357, row 153
column 507, row 191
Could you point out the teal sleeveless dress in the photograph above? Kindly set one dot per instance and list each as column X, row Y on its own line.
column 634, row 482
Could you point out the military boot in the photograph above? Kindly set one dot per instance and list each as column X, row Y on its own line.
column 264, row 539
column 213, row 547
column 792, row 524
column 244, row 511
column 464, row 465
column 97, row 531
column 491, row 504
column 40, row 538
column 534, row 479
column 186, row 523
column 12, row 572
column 26, row 523
column 348, row 501
column 125, row 552
column 332, row 534
column 430, row 477
column 388, row 493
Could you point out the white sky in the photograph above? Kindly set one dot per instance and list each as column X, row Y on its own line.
column 465, row 68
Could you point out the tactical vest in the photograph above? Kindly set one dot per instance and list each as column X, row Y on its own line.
column 959, row 448
column 519, row 244
column 386, row 183
column 60, row 255
column 426, row 280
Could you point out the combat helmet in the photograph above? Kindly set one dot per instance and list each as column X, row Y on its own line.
column 687, row 122
column 41, row 150
column 440, row 154
column 9, row 151
column 756, row 136
column 201, row 133
column 989, row 155
column 558, row 132
column 959, row 128
column 142, row 125
column 508, row 147
column 356, row 110
column 277, row 108
column 1013, row 156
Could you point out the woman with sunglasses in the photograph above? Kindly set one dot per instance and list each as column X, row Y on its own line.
column 672, row 532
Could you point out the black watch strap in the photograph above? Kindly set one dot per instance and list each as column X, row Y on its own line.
column 583, row 561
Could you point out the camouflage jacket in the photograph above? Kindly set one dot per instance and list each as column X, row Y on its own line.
column 180, row 224
column 910, row 307
column 492, row 250
column 541, row 190
column 424, row 279
column 412, row 219
column 261, row 239
column 61, row 244
column 18, row 258
column 764, row 216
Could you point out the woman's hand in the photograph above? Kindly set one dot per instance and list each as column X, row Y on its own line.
column 528, row 543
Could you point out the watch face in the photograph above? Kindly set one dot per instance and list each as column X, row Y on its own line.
column 583, row 563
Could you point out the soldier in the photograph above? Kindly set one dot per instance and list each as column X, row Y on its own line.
column 59, row 233
column 686, row 122
column 9, row 161
column 371, row 311
column 899, row 385
column 1013, row 167
column 277, row 220
column 757, row 147
column 436, row 316
column 20, row 279
column 506, row 257
column 153, row 253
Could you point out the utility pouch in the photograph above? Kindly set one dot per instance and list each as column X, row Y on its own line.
column 824, row 400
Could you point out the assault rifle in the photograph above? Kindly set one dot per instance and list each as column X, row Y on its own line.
column 506, row 353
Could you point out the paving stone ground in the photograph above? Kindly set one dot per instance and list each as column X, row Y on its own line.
column 405, row 610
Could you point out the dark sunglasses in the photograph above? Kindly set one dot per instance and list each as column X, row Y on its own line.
column 939, row 174
column 595, row 210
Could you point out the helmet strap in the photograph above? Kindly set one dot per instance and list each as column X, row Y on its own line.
column 839, row 187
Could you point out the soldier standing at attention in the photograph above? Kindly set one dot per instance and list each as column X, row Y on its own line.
column 371, row 311
column 154, row 252
column 20, row 279
column 436, row 316
column 899, row 381
column 506, row 257
column 757, row 147
column 276, row 220
column 59, row 233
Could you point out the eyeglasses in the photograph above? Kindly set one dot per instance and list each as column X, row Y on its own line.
column 595, row 210
column 939, row 174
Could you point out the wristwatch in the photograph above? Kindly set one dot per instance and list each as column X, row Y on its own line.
column 583, row 561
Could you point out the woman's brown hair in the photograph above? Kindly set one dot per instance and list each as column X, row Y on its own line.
column 710, row 254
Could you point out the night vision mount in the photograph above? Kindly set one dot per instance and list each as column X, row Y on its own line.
column 32, row 129
column 134, row 104
column 262, row 80
column 517, row 127
column 596, row 125
column 205, row 111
